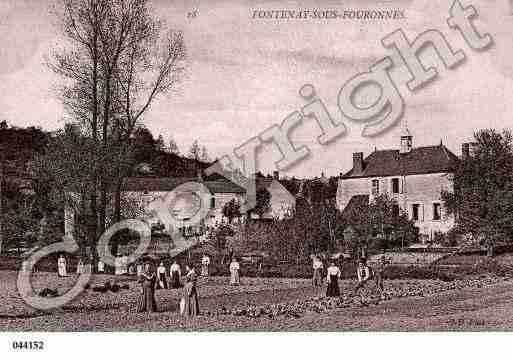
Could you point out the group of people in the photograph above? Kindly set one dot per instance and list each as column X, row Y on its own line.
column 82, row 266
column 175, row 275
column 151, row 279
column 364, row 274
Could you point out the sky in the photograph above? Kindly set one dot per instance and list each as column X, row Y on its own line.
column 243, row 75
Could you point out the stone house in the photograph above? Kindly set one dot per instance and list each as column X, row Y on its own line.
column 145, row 191
column 282, row 201
column 413, row 176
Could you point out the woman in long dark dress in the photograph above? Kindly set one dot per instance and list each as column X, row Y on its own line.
column 332, row 279
column 175, row 273
column 190, row 294
column 147, row 300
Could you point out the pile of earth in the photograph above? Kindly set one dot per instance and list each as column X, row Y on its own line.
column 108, row 286
column 101, row 288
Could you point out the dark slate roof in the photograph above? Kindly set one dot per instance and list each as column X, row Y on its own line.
column 357, row 201
column 263, row 183
column 224, row 186
column 166, row 184
column 420, row 160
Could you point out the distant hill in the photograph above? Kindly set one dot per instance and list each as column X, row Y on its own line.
column 18, row 146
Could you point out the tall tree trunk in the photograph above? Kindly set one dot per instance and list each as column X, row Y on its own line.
column 117, row 213
column 92, row 218
column 103, row 183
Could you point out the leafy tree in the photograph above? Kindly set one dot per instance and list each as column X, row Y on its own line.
column 231, row 210
column 159, row 144
column 20, row 214
column 195, row 151
column 263, row 202
column 64, row 177
column 204, row 155
column 173, row 147
column 144, row 145
column 482, row 197
column 380, row 224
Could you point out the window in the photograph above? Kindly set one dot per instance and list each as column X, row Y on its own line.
column 437, row 211
column 395, row 185
column 375, row 187
column 415, row 211
column 212, row 202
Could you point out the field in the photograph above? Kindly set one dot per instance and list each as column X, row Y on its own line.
column 481, row 303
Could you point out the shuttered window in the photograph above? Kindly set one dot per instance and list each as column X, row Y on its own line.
column 375, row 187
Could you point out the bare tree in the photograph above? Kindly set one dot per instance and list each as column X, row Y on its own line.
column 116, row 61
column 204, row 155
column 78, row 64
column 195, row 151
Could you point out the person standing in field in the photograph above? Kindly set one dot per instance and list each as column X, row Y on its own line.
column 124, row 264
column 87, row 267
column 161, row 276
column 118, row 265
column 317, row 272
column 205, row 262
column 101, row 266
column 147, row 301
column 61, row 266
column 332, row 278
column 175, row 274
column 189, row 305
column 140, row 269
column 364, row 274
column 234, row 272
column 80, row 267
column 379, row 276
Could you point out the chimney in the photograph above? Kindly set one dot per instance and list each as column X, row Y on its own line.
column 276, row 175
column 465, row 151
column 358, row 162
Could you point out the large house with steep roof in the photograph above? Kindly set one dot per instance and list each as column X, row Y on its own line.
column 413, row 176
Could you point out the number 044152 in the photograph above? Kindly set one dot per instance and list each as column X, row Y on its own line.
column 27, row 345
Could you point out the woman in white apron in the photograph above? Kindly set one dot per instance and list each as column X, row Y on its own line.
column 234, row 272
column 61, row 266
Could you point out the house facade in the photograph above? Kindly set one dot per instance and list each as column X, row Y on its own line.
column 413, row 176
column 282, row 202
column 141, row 193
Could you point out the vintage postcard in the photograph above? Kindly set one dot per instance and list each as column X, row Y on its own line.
column 255, row 166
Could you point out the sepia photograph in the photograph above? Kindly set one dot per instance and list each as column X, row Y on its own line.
column 210, row 167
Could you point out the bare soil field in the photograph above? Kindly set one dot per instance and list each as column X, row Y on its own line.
column 486, row 305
